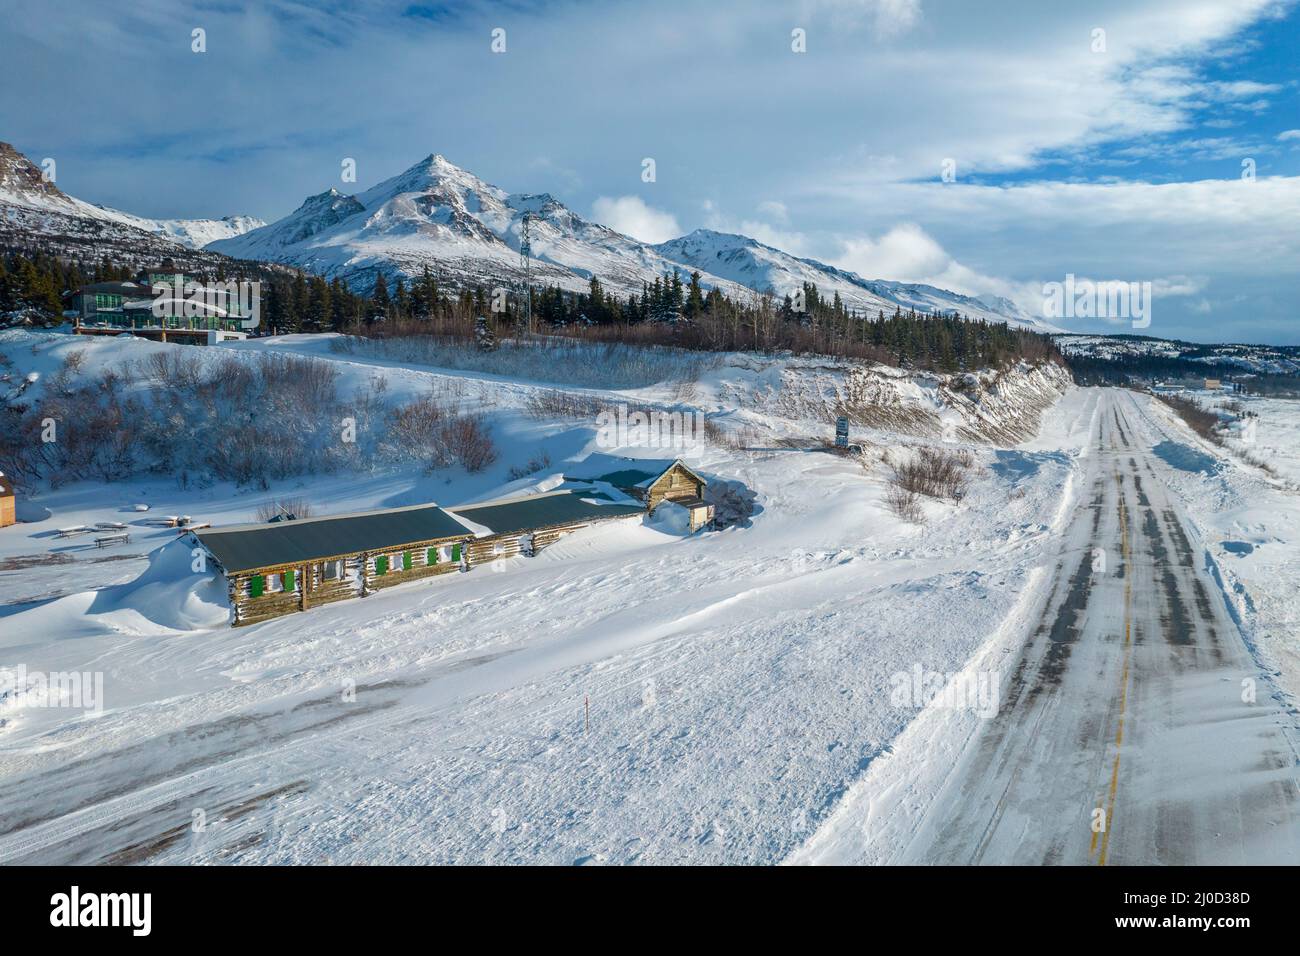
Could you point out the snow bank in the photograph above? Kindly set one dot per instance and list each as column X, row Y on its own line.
column 168, row 597
column 670, row 518
column 172, row 594
column 1001, row 406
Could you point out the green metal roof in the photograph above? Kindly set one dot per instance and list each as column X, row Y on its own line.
column 249, row 546
column 543, row 511
column 622, row 472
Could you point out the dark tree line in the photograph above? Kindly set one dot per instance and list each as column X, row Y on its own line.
column 1140, row 370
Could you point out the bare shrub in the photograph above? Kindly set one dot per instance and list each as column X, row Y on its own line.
column 535, row 464
column 415, row 433
column 549, row 358
column 745, row 437
column 1204, row 423
column 74, row 362
column 904, row 503
column 308, row 383
column 297, row 506
column 174, row 368
column 470, row 442
column 553, row 403
column 241, row 417
column 934, row 472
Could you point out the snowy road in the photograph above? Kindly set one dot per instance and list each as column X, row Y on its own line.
column 740, row 708
column 1124, row 737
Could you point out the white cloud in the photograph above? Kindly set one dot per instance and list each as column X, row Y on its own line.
column 905, row 253
column 1211, row 236
column 775, row 211
column 1288, row 135
column 631, row 216
column 888, row 18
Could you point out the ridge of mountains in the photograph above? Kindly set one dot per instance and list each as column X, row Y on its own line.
column 36, row 212
column 466, row 231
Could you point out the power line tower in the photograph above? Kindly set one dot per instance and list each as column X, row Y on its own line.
column 526, row 261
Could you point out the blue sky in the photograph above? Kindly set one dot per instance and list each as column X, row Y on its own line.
column 1116, row 163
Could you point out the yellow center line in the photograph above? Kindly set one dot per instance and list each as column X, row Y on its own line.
column 1123, row 682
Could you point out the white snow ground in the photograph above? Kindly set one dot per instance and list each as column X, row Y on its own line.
column 627, row 696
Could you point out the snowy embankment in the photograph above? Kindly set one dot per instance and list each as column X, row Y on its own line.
column 1248, row 520
column 629, row 695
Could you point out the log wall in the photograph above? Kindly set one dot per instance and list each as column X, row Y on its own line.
column 677, row 484
column 312, row 588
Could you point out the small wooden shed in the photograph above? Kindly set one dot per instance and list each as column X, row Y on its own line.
column 651, row 480
column 278, row 568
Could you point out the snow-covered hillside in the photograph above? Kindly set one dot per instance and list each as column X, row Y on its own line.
column 33, row 208
column 1254, row 359
column 737, row 680
column 194, row 233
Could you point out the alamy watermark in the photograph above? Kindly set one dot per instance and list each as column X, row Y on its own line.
column 21, row 689
column 1086, row 299
column 183, row 298
column 619, row 427
column 918, row 688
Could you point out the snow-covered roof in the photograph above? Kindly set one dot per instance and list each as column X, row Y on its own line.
column 247, row 547
column 567, row 506
column 623, row 472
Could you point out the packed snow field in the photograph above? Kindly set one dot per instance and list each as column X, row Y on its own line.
column 629, row 695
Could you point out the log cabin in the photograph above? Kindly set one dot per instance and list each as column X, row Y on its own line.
column 527, row 524
column 278, row 568
column 8, row 505
column 650, row 480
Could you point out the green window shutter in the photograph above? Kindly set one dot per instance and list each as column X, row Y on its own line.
column 432, row 556
column 406, row 560
column 288, row 580
column 255, row 585
column 381, row 565
column 455, row 552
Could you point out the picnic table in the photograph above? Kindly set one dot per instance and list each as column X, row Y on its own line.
column 109, row 539
column 74, row 530
column 168, row 521
column 110, row 526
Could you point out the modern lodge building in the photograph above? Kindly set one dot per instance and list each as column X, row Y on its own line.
column 111, row 308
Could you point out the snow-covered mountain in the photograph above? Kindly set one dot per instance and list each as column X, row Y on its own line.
column 33, row 208
column 466, row 231
column 750, row 263
column 199, row 233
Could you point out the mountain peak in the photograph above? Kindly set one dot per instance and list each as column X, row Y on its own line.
column 436, row 165
column 22, row 181
column 712, row 237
